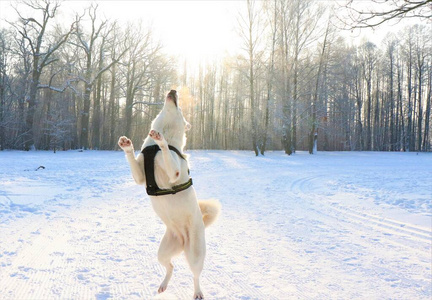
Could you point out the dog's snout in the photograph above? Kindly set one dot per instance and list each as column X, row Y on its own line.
column 172, row 95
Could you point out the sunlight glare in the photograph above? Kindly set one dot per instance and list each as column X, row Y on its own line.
column 197, row 31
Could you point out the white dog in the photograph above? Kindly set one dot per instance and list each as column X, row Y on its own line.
column 162, row 166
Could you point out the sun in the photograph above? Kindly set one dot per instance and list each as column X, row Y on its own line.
column 200, row 30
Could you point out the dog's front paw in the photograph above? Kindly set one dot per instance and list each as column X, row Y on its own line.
column 158, row 138
column 125, row 144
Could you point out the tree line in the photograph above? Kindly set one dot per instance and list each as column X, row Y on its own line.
column 296, row 84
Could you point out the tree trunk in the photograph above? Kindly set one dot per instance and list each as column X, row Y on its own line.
column 97, row 107
column 313, row 134
column 376, row 132
column 399, row 112
column 84, row 142
column 420, row 108
column 359, row 125
column 31, row 109
column 428, row 112
column 252, row 106
column 294, row 106
column 129, row 98
column 270, row 79
column 112, row 104
column 368, row 114
column 266, row 120
column 49, row 131
column 392, row 107
column 2, row 103
column 286, row 101
column 409, row 115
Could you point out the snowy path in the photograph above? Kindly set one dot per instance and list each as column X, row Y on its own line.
column 328, row 226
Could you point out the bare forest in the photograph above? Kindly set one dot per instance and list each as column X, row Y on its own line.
column 296, row 84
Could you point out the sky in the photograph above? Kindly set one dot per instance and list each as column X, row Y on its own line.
column 195, row 30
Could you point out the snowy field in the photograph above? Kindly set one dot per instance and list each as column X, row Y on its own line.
column 337, row 225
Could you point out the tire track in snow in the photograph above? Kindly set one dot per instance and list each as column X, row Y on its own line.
column 299, row 186
column 394, row 226
column 353, row 249
column 411, row 240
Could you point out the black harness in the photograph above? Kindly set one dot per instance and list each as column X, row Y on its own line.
column 152, row 188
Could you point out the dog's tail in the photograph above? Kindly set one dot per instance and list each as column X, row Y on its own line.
column 210, row 210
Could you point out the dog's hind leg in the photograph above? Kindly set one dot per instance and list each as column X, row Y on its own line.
column 195, row 254
column 170, row 246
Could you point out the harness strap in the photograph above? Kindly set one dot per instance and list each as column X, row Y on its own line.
column 152, row 188
column 174, row 189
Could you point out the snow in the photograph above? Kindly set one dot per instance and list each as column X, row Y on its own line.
column 337, row 225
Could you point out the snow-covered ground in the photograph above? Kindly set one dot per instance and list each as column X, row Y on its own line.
column 337, row 225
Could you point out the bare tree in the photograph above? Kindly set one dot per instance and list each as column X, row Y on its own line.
column 408, row 52
column 4, row 82
column 422, row 47
column 113, row 106
column 285, row 40
column 88, row 43
column 426, row 135
column 273, row 10
column 138, row 62
column 313, row 135
column 368, row 61
column 390, row 55
column 304, row 24
column 299, row 21
column 251, row 31
column 96, row 121
column 34, row 34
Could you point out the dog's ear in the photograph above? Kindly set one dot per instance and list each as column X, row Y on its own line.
column 188, row 126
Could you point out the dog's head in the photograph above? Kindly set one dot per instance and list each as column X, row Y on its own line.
column 172, row 109
column 171, row 122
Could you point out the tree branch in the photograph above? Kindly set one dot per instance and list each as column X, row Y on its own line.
column 146, row 103
column 370, row 18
